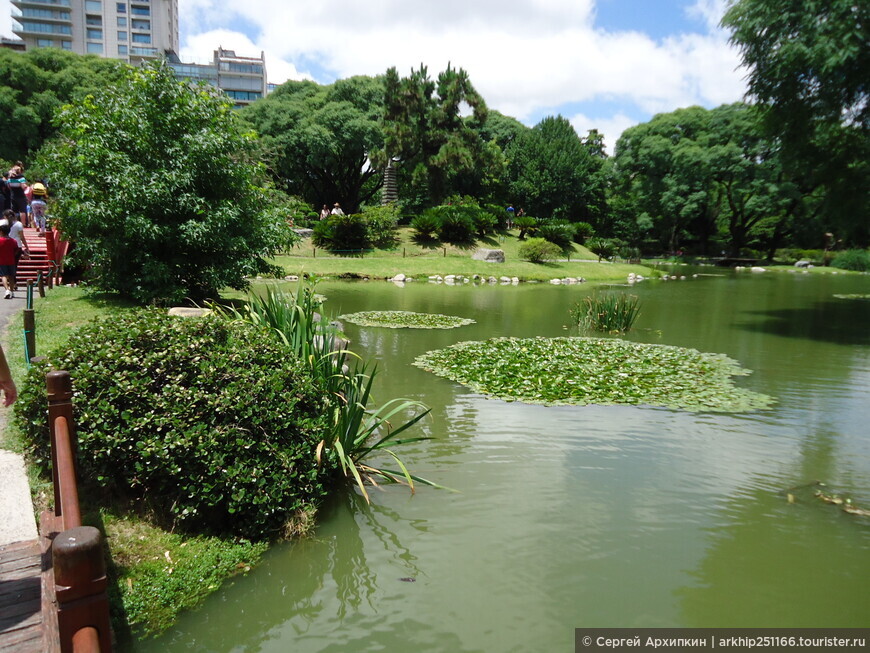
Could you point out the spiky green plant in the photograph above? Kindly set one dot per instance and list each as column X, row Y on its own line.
column 610, row 312
column 356, row 431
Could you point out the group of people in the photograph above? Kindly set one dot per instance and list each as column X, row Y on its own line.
column 29, row 201
column 511, row 214
column 23, row 205
column 325, row 212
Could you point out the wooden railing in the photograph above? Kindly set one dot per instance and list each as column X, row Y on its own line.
column 75, row 604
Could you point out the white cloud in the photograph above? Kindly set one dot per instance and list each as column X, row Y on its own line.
column 525, row 57
column 200, row 49
column 521, row 56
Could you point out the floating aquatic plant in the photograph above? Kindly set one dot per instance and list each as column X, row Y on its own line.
column 595, row 371
column 406, row 320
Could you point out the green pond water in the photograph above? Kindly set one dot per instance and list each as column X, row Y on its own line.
column 593, row 516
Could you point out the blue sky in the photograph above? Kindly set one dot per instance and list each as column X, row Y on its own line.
column 604, row 64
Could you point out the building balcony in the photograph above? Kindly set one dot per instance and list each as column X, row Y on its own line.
column 46, row 29
column 40, row 3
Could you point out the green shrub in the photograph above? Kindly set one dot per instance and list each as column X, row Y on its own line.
column 342, row 233
column 456, row 225
column 381, row 222
column 425, row 226
column 209, row 424
column 610, row 313
column 538, row 250
column 601, row 247
column 857, row 260
column 583, row 231
column 499, row 213
column 559, row 233
column 484, row 222
column 527, row 226
column 630, row 253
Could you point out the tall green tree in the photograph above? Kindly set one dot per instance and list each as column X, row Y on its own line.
column 809, row 71
column 35, row 84
column 438, row 149
column 694, row 174
column 554, row 174
column 155, row 184
column 318, row 140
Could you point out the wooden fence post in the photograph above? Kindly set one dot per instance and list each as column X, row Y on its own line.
column 59, row 386
column 80, row 587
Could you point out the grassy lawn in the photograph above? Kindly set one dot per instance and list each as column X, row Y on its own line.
column 418, row 260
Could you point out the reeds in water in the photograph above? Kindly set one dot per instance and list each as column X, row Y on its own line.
column 610, row 313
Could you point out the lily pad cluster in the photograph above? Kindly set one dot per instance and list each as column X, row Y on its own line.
column 406, row 320
column 580, row 371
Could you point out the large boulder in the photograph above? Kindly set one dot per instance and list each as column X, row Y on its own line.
column 489, row 255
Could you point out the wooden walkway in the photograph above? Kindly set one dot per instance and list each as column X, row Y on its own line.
column 21, row 628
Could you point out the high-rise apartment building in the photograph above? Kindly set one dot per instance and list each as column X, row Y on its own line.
column 131, row 30
column 243, row 79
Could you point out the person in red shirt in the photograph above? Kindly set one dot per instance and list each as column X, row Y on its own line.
column 8, row 259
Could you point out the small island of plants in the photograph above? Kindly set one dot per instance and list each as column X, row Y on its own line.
column 406, row 320
column 605, row 371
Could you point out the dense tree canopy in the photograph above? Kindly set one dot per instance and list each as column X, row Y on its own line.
column 318, row 139
column 695, row 175
column 809, row 71
column 154, row 185
column 34, row 84
column 438, row 149
column 553, row 173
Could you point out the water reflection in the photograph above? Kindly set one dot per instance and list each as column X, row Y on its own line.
column 589, row 516
column 838, row 321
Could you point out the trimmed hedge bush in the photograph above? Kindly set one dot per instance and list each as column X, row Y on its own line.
column 209, row 424
column 381, row 223
column 857, row 260
column 538, row 250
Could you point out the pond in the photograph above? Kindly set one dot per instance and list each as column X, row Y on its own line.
column 594, row 516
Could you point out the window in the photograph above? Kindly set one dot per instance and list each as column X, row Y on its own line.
column 66, row 45
column 122, row 21
column 244, row 95
column 96, row 21
column 122, row 50
column 44, row 43
column 141, row 38
column 45, row 28
column 44, row 13
column 138, row 23
column 122, row 36
column 95, row 34
column 254, row 69
column 95, row 48
column 121, row 8
column 150, row 52
column 140, row 11
column 94, row 5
